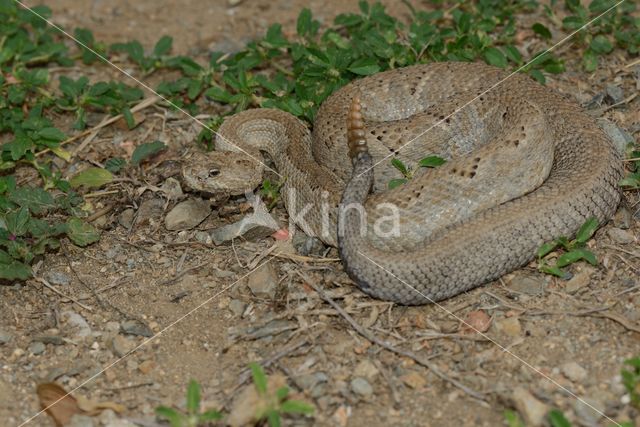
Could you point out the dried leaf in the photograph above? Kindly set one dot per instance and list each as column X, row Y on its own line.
column 56, row 402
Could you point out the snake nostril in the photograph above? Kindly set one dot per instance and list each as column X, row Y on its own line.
column 214, row 172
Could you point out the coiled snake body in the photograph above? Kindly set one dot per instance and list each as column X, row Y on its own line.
column 524, row 166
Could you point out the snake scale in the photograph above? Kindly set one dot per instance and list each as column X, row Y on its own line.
column 524, row 166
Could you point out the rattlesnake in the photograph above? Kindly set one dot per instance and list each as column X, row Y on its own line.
column 524, row 166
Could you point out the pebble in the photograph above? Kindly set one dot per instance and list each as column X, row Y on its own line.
column 579, row 280
column 187, row 214
column 509, row 326
column 49, row 339
column 588, row 415
column 135, row 327
column 126, row 218
column 309, row 381
column 37, row 348
column 532, row 410
column 366, row 369
column 623, row 218
column 263, row 282
column 79, row 420
column 361, row 387
column 148, row 210
column 252, row 227
column 122, row 345
column 414, row 380
column 76, row 320
column 203, row 237
column 237, row 307
column 58, row 278
column 621, row 236
column 528, row 283
column 620, row 137
column 108, row 418
column 6, row 395
column 573, row 371
column 5, row 336
column 172, row 189
column 614, row 93
column 147, row 366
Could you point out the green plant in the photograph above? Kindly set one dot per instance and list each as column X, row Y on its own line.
column 574, row 250
column 513, row 419
column 631, row 380
column 407, row 173
column 275, row 402
column 192, row 417
column 271, row 192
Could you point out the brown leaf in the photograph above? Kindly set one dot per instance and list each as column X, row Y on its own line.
column 56, row 402
column 476, row 321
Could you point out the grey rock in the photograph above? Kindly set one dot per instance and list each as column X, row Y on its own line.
column 135, row 327
column 79, row 322
column 528, row 283
column 251, row 227
column 589, row 413
column 37, row 348
column 237, row 307
column 49, row 339
column 187, row 214
column 579, row 280
column 263, row 282
column 620, row 236
column 366, row 369
column 172, row 189
column 620, row 137
column 148, row 210
column 126, row 218
column 113, row 251
column 122, row 345
column 203, row 237
column 361, row 387
column 57, row 278
column 5, row 336
column 307, row 245
column 573, row 371
column 79, row 420
column 309, row 381
column 623, row 218
column 614, row 94
column 532, row 410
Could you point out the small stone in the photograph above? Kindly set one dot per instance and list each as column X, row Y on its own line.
column 79, row 420
column 135, row 327
column 77, row 321
column 623, row 218
column 203, row 237
column 528, row 283
column 366, row 369
column 580, row 280
column 573, row 371
column 49, row 339
column 414, row 380
column 5, row 336
column 620, row 137
column 263, row 282
column 112, row 326
column 476, row 321
column 187, row 214
column 172, row 189
column 620, row 236
column 309, row 381
column 589, row 413
column 122, row 345
column 37, row 348
column 532, row 410
column 237, row 307
column 509, row 326
column 147, row 366
column 58, row 278
column 148, row 210
column 361, row 387
column 126, row 218
column 615, row 94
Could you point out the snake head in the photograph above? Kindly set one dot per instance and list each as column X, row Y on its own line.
column 221, row 172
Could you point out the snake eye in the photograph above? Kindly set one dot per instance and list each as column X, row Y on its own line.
column 214, row 172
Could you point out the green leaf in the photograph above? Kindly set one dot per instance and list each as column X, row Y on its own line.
column 210, row 415
column 586, row 230
column 296, row 407
column 17, row 222
column 538, row 76
column 364, row 66
column 513, row 54
column 432, row 162
column 557, row 419
column 576, row 255
column 163, row 46
column 91, row 178
column 282, row 393
column 193, row 397
column 546, row 248
column 601, row 44
column 175, row 418
column 304, row 22
column 15, row 270
column 273, row 417
column 51, row 133
column 554, row 270
column 115, row 164
column 128, row 117
column 398, row 164
column 259, row 378
column 513, row 419
column 81, row 233
column 146, row 150
column 36, row 199
column 495, row 57
column 541, row 30
column 396, row 182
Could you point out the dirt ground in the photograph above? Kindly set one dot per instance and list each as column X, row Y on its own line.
column 553, row 340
